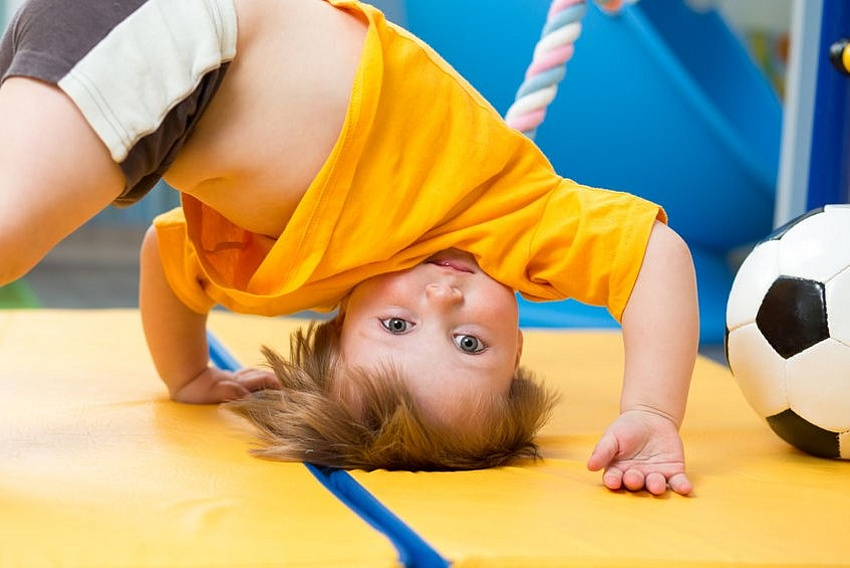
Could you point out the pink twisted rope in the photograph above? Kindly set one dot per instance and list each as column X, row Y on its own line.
column 548, row 65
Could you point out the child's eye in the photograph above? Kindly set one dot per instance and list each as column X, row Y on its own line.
column 396, row 325
column 469, row 344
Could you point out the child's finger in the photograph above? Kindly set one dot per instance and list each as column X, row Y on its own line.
column 634, row 480
column 656, row 483
column 680, row 484
column 613, row 479
column 226, row 390
column 604, row 452
column 256, row 379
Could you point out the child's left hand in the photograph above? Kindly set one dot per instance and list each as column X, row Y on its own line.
column 641, row 450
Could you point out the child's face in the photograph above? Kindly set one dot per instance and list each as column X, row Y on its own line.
column 449, row 328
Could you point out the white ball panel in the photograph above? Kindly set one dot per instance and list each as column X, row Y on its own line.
column 838, row 209
column 816, row 247
column 818, row 382
column 759, row 370
column 838, row 307
column 754, row 278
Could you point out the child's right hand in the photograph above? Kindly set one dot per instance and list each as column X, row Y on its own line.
column 212, row 385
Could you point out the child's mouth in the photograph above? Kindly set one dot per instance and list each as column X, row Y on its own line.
column 452, row 265
column 457, row 261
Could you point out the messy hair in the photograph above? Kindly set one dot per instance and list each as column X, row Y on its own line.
column 310, row 420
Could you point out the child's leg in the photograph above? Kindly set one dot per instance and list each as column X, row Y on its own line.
column 55, row 174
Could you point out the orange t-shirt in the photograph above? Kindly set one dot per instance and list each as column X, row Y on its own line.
column 423, row 163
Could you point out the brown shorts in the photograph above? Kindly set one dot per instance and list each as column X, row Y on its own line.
column 141, row 71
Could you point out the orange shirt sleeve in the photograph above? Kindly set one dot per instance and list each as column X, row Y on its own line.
column 589, row 245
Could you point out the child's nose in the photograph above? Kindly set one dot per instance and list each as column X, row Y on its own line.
column 443, row 293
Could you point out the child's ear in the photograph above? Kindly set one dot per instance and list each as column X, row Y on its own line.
column 519, row 339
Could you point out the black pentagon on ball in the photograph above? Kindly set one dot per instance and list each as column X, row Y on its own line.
column 792, row 315
column 804, row 435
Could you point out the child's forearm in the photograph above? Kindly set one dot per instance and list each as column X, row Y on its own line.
column 661, row 329
column 175, row 334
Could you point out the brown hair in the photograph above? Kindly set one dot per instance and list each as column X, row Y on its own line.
column 309, row 420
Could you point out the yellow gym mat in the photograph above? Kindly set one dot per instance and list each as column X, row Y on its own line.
column 756, row 501
column 98, row 468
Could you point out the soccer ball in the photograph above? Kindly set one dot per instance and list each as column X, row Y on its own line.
column 788, row 331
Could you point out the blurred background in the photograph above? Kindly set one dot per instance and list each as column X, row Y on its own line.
column 676, row 100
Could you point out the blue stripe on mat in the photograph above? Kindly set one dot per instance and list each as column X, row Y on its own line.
column 220, row 356
column 413, row 551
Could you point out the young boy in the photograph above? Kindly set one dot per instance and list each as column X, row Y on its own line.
column 327, row 158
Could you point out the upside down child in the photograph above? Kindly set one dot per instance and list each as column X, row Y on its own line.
column 330, row 160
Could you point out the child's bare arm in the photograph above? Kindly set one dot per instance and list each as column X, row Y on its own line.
column 177, row 341
column 55, row 173
column 642, row 448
